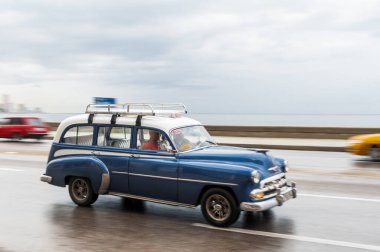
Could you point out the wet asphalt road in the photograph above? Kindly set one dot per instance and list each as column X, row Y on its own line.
column 338, row 209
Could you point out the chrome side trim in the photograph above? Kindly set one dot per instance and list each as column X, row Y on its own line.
column 207, row 182
column 117, row 172
column 112, row 153
column 152, row 200
column 179, row 179
column 154, row 156
column 152, row 176
column 66, row 152
column 105, row 183
column 45, row 178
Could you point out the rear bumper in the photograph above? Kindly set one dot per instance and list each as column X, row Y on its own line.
column 290, row 192
column 45, row 178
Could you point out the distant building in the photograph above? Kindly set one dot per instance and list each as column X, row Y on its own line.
column 6, row 106
column 21, row 108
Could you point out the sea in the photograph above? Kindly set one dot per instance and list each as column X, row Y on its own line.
column 354, row 121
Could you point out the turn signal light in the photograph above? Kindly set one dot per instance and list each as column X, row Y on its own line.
column 259, row 195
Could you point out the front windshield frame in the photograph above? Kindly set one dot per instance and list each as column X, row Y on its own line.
column 193, row 141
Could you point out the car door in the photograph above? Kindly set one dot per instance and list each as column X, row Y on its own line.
column 113, row 149
column 3, row 122
column 15, row 127
column 153, row 173
column 6, row 128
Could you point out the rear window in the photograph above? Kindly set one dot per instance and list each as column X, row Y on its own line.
column 79, row 135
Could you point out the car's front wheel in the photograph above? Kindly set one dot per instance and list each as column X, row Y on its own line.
column 81, row 191
column 16, row 136
column 219, row 207
column 374, row 153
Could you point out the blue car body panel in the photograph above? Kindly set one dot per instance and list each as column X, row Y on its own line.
column 180, row 177
column 79, row 166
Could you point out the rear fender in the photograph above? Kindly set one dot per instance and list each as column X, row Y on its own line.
column 89, row 167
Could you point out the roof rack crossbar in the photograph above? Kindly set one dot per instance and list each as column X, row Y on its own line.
column 137, row 108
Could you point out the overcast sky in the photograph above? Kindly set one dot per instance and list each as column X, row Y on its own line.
column 220, row 56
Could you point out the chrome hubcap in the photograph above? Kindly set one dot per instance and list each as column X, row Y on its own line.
column 218, row 207
column 80, row 189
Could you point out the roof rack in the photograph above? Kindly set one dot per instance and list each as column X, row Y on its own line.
column 137, row 109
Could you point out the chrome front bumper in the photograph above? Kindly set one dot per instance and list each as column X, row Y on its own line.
column 283, row 195
column 45, row 178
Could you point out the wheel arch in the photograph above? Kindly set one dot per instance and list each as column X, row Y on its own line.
column 208, row 187
column 62, row 169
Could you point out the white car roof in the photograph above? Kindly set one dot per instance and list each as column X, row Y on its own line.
column 163, row 123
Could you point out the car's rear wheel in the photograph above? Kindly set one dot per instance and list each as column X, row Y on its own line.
column 81, row 192
column 374, row 153
column 219, row 207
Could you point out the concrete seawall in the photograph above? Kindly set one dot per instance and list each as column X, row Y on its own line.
column 277, row 137
column 289, row 132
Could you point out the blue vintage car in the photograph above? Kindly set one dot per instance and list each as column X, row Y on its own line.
column 153, row 153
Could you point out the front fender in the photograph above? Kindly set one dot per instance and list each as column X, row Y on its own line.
column 89, row 167
column 195, row 176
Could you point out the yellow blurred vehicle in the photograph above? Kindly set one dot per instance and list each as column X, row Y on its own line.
column 365, row 145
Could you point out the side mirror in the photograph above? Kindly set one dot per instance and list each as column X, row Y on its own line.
column 169, row 149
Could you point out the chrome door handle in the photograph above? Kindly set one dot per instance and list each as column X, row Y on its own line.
column 135, row 155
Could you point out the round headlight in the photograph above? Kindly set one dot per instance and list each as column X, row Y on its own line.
column 255, row 175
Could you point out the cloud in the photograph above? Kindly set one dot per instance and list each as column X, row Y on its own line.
column 253, row 55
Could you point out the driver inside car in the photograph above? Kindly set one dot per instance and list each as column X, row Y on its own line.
column 154, row 141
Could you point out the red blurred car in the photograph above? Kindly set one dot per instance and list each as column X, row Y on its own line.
column 18, row 127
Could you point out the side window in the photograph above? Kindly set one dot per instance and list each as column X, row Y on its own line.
column 80, row 135
column 148, row 139
column 117, row 136
column 16, row 121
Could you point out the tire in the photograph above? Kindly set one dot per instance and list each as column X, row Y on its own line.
column 94, row 199
column 219, row 207
column 16, row 136
column 81, row 192
column 374, row 153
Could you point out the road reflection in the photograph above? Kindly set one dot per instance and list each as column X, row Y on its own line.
column 267, row 221
column 366, row 163
column 117, row 224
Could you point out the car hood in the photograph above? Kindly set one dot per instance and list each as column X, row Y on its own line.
column 257, row 159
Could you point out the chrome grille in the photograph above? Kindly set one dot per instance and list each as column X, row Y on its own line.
column 273, row 185
column 269, row 186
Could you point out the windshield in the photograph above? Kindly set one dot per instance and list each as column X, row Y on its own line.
column 189, row 138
